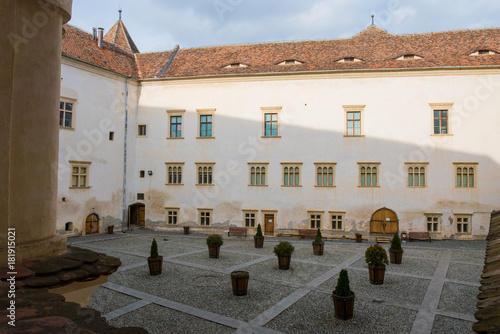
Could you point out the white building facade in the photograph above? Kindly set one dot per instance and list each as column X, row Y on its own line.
column 369, row 148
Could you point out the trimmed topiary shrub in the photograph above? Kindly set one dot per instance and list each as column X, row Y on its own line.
column 319, row 237
column 376, row 255
column 214, row 240
column 259, row 231
column 396, row 241
column 154, row 249
column 343, row 289
column 284, row 248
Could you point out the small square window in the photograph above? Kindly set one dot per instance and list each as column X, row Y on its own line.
column 140, row 196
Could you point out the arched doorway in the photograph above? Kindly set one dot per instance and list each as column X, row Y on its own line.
column 92, row 224
column 137, row 214
column 384, row 222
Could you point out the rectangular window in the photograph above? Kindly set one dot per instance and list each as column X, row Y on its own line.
column 141, row 174
column 433, row 222
column 175, row 123
column 142, row 130
column 258, row 173
column 174, row 172
column 353, row 116
column 291, row 174
column 111, row 136
column 440, row 122
column 463, row 224
column 315, row 220
column 206, row 126
column 465, row 175
column 249, row 217
column 337, row 220
column 172, row 214
column 271, row 126
column 368, row 174
column 325, row 174
column 205, row 172
column 79, row 174
column 66, row 114
column 205, row 217
column 140, row 196
column 416, row 174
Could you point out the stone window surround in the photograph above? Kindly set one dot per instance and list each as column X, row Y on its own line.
column 271, row 110
column 323, row 165
column 462, row 164
column 370, row 164
column 206, row 112
column 441, row 106
column 74, row 164
column 256, row 213
column 292, row 165
column 211, row 217
column 354, row 108
column 336, row 213
column 175, row 112
column 178, row 165
column 175, row 210
column 413, row 164
column 261, row 165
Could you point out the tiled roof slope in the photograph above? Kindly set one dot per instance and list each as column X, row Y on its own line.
column 119, row 35
column 79, row 45
column 376, row 48
column 151, row 64
column 488, row 313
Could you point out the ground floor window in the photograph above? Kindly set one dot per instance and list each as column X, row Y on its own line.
column 463, row 224
column 337, row 220
column 433, row 222
column 205, row 217
column 249, row 218
column 315, row 219
column 172, row 216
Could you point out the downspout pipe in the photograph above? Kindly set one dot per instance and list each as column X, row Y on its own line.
column 124, row 198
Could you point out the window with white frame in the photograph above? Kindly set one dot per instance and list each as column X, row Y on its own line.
column 174, row 172
column 315, row 219
column 416, row 174
column 172, row 216
column 325, row 174
column 258, row 173
column 291, row 174
column 205, row 217
column 175, row 120
column 271, row 121
column 249, row 218
column 337, row 220
column 354, row 116
column 205, row 172
column 80, row 174
column 368, row 174
column 433, row 222
column 66, row 109
column 463, row 223
column 465, row 174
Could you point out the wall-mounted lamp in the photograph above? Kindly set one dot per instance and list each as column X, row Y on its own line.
column 150, row 172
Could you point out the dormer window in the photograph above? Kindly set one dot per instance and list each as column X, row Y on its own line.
column 348, row 60
column 236, row 65
column 483, row 52
column 290, row 62
column 409, row 57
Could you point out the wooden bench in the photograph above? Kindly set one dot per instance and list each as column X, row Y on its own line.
column 307, row 233
column 419, row 236
column 242, row 231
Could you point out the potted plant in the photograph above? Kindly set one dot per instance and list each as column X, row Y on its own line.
column 343, row 297
column 239, row 282
column 318, row 244
column 396, row 252
column 258, row 239
column 155, row 261
column 359, row 237
column 284, row 251
column 376, row 257
column 214, row 242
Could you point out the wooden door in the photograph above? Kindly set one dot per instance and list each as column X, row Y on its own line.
column 141, row 215
column 269, row 225
column 137, row 214
column 384, row 222
column 92, row 224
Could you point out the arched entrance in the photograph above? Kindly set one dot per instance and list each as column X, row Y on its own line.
column 384, row 222
column 137, row 214
column 92, row 224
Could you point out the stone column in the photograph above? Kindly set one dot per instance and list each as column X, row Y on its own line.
column 30, row 58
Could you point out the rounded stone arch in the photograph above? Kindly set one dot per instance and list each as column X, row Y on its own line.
column 384, row 222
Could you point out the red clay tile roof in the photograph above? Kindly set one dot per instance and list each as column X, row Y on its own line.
column 376, row 48
column 119, row 35
column 79, row 45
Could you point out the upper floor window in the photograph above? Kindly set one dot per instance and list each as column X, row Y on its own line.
column 206, row 125
column 348, row 60
column 483, row 52
column 258, row 173
column 465, row 174
column 416, row 174
column 175, row 123
column 80, row 174
column 441, row 118
column 66, row 114
column 354, row 114
column 271, row 121
column 325, row 174
column 174, row 172
column 205, row 173
column 291, row 174
column 368, row 174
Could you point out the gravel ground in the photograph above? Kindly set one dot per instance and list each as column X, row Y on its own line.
column 225, row 260
column 447, row 325
column 315, row 312
column 106, row 300
column 459, row 298
column 414, row 266
column 472, row 257
column 205, row 290
column 160, row 320
column 465, row 272
column 397, row 288
column 331, row 255
column 431, row 254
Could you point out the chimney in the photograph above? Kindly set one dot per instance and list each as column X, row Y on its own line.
column 94, row 34
column 100, row 37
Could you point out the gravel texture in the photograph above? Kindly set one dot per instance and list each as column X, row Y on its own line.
column 465, row 272
column 447, row 325
column 331, row 255
column 413, row 266
column 315, row 314
column 421, row 253
column 471, row 256
column 159, row 320
column 459, row 298
column 106, row 300
column 225, row 260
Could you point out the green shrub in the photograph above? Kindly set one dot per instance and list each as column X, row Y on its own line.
column 376, row 255
column 214, row 240
column 154, row 249
column 259, row 231
column 319, row 237
column 396, row 241
column 343, row 289
column 284, row 248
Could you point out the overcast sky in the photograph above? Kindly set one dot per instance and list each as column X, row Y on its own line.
column 158, row 25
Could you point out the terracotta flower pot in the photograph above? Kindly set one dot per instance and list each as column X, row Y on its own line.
column 396, row 255
column 258, row 242
column 377, row 274
column 284, row 262
column 155, row 265
column 239, row 281
column 213, row 252
column 318, row 247
column 343, row 306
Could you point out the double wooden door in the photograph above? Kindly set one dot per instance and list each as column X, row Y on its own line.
column 384, row 222
column 92, row 224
